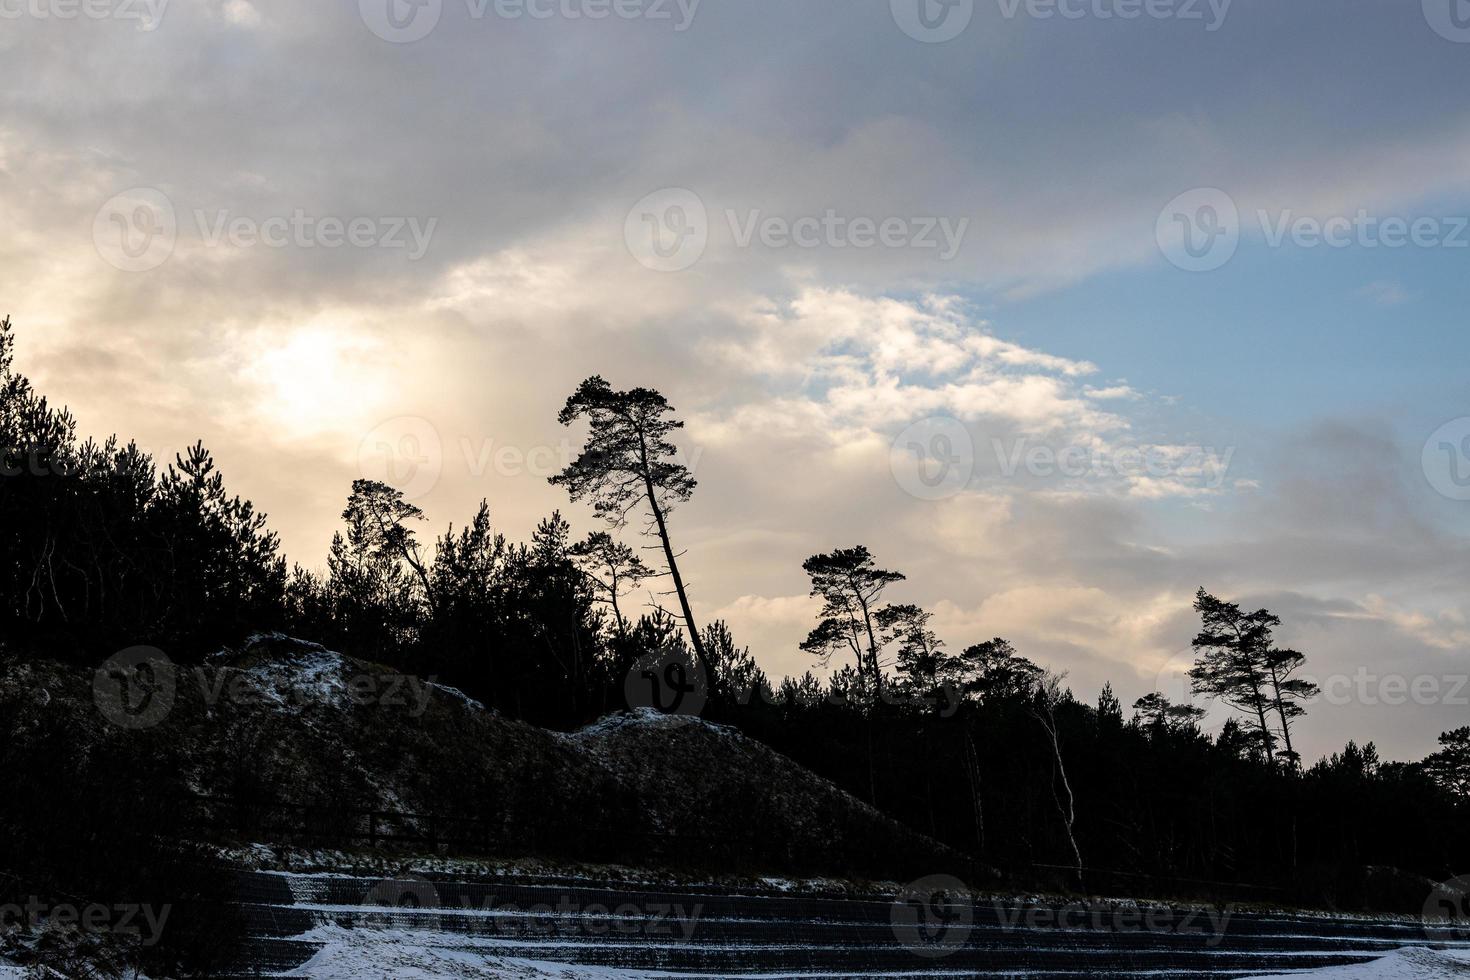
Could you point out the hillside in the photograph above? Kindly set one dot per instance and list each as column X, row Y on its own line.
column 255, row 735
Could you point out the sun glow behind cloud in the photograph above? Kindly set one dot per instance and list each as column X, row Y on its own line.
column 318, row 379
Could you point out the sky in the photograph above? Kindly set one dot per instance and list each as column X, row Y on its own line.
column 1064, row 308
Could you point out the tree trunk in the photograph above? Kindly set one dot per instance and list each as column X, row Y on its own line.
column 1069, row 812
column 1281, row 713
column 617, row 613
column 1268, row 744
column 873, row 664
column 663, row 536
column 872, row 777
column 977, row 804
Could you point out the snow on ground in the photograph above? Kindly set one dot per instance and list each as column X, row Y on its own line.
column 410, row 954
column 1405, row 964
column 294, row 672
column 10, row 971
column 362, row 954
column 455, row 694
column 307, row 674
column 644, row 718
column 291, row 862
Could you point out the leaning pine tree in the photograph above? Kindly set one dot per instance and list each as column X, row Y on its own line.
column 849, row 583
column 1238, row 664
column 628, row 460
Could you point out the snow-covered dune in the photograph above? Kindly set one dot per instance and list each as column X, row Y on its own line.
column 280, row 724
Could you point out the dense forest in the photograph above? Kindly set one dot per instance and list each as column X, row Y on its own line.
column 966, row 739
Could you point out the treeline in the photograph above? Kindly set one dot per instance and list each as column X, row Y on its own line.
column 981, row 747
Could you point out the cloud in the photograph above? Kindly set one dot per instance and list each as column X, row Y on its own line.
column 241, row 13
column 1387, row 292
column 874, row 361
column 529, row 141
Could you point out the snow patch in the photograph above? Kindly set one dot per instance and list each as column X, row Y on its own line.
column 357, row 954
column 455, row 694
column 1405, row 964
column 292, row 672
column 306, row 676
column 647, row 719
